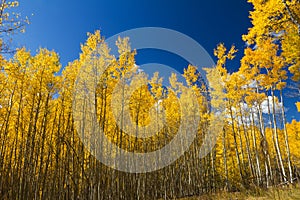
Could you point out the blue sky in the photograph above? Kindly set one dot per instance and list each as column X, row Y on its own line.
column 61, row 25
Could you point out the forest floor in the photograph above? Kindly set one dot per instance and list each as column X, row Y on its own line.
column 292, row 193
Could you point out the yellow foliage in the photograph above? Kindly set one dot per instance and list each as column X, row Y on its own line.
column 298, row 106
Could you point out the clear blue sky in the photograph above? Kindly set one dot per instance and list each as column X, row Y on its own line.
column 61, row 25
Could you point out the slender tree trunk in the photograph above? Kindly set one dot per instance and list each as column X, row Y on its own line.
column 225, row 161
column 286, row 139
column 258, row 167
column 236, row 145
column 276, row 136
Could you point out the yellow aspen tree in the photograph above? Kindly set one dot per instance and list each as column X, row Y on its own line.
column 279, row 19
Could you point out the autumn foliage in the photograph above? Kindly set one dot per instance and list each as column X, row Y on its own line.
column 43, row 157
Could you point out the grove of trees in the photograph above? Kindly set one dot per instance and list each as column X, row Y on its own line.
column 43, row 157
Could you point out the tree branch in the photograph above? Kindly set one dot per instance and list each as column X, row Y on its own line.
column 293, row 18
